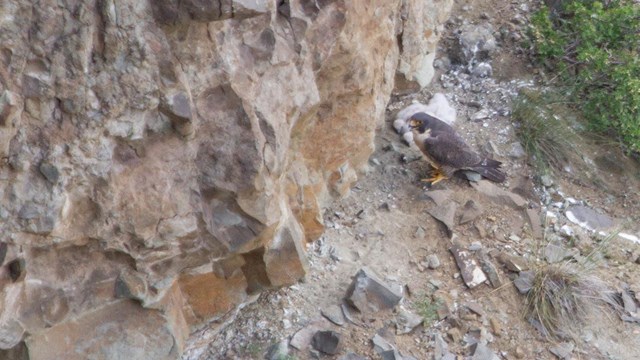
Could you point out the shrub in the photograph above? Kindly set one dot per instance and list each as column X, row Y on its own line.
column 595, row 48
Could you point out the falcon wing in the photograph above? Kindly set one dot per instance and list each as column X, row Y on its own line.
column 448, row 149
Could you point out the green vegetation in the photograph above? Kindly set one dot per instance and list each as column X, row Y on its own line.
column 428, row 309
column 594, row 47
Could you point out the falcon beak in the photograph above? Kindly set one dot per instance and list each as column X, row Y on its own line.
column 414, row 124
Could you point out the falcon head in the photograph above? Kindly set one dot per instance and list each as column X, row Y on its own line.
column 421, row 122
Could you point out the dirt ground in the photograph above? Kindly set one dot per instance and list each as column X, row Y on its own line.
column 385, row 225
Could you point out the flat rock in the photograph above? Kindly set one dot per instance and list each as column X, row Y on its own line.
column 407, row 321
column 499, row 195
column 352, row 356
column 555, row 251
column 562, row 350
column 471, row 272
column 334, row 314
column 327, row 342
column 368, row 293
column 470, row 211
column 475, row 307
column 439, row 196
column 484, row 353
column 628, row 302
column 516, row 151
column 489, row 269
column 302, row 339
column 441, row 351
column 380, row 344
column 445, row 214
column 588, row 218
column 512, row 263
column 524, row 282
column 536, row 224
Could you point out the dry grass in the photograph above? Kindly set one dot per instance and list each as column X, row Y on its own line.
column 544, row 134
column 568, row 295
column 563, row 299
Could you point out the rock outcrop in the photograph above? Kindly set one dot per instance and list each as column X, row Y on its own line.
column 162, row 161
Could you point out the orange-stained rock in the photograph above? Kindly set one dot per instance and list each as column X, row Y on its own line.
column 177, row 155
column 121, row 330
column 208, row 296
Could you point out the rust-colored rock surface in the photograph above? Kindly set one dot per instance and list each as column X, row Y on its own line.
column 162, row 161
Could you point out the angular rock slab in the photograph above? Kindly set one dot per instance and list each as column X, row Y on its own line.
column 112, row 332
column 499, row 195
column 471, row 272
column 588, row 218
column 369, row 294
column 327, row 342
column 445, row 214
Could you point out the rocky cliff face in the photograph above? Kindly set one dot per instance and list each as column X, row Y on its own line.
column 162, row 161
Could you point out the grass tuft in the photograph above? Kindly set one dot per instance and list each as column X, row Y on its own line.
column 566, row 296
column 548, row 140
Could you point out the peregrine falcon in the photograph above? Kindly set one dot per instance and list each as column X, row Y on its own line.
column 447, row 152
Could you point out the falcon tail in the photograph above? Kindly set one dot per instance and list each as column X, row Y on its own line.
column 488, row 168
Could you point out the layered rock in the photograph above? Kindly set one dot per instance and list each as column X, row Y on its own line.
column 163, row 161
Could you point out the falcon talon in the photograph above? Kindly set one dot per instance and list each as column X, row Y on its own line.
column 447, row 152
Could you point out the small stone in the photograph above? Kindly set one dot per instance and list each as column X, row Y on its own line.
column 352, row 356
column 481, row 115
column 407, row 321
column 546, row 180
column 380, row 344
column 496, row 328
column 475, row 307
column 433, row 262
column 519, row 353
column 327, row 342
column 455, row 335
column 512, row 263
column 50, row 172
column 475, row 246
column 524, row 282
column 483, row 352
column 471, row 273
column 482, row 70
column 472, row 175
column 562, row 350
column 514, row 238
column 628, row 302
column 420, row 233
column 489, row 269
column 517, row 151
column 334, row 314
column 368, row 293
column 278, row 351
